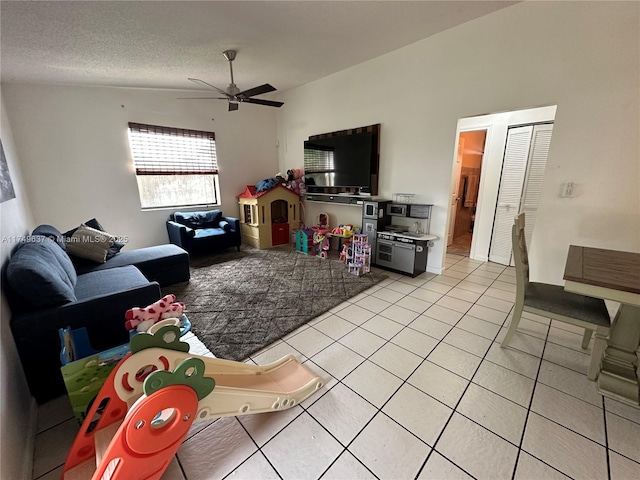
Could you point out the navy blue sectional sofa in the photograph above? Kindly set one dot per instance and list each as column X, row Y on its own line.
column 47, row 291
column 204, row 232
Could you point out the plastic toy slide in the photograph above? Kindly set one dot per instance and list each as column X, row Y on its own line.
column 152, row 397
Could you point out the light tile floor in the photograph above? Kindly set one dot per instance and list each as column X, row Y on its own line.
column 417, row 387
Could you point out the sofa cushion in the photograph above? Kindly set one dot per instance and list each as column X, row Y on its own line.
column 195, row 220
column 209, row 232
column 90, row 243
column 41, row 274
column 166, row 264
column 110, row 281
column 52, row 232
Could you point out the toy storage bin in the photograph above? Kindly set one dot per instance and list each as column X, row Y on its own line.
column 84, row 370
column 84, row 378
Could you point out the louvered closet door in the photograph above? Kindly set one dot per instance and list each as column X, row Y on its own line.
column 514, row 167
column 535, row 175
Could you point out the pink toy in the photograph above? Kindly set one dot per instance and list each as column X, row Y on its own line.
column 322, row 243
column 173, row 311
column 141, row 318
column 295, row 181
column 343, row 253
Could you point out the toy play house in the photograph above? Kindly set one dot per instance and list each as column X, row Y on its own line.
column 268, row 217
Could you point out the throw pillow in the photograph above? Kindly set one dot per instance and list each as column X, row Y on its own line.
column 225, row 226
column 187, row 219
column 90, row 243
column 212, row 218
column 208, row 219
column 93, row 223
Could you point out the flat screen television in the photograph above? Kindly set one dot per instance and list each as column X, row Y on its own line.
column 339, row 161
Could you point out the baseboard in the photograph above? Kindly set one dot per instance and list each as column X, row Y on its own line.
column 437, row 271
column 30, row 444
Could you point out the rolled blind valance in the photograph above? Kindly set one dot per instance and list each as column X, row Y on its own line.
column 172, row 151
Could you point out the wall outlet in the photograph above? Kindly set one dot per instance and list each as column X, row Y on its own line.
column 567, row 190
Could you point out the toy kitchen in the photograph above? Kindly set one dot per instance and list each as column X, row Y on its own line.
column 401, row 231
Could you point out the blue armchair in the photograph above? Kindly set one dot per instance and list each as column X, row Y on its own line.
column 203, row 232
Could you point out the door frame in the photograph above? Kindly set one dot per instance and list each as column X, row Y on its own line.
column 496, row 125
column 454, row 198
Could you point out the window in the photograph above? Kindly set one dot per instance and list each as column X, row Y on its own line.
column 175, row 167
column 247, row 214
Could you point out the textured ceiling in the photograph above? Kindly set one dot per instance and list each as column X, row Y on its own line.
column 159, row 44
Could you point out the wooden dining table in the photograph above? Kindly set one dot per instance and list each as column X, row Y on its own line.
column 612, row 275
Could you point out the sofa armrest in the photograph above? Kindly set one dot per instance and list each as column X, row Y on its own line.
column 179, row 234
column 38, row 343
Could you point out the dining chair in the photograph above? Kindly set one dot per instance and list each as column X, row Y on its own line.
column 552, row 301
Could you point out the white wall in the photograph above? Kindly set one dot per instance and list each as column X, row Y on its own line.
column 17, row 407
column 74, row 152
column 581, row 56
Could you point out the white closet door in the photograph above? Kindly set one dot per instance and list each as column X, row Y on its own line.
column 535, row 175
column 514, row 167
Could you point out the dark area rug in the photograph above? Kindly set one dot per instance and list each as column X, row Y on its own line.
column 240, row 302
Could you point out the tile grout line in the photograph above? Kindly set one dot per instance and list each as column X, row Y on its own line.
column 339, row 381
column 72, row 417
column 184, row 474
column 46, row 430
column 424, row 358
column 453, row 412
column 259, row 448
column 606, row 438
column 536, row 382
column 378, row 409
column 250, row 358
column 47, row 472
column 526, row 421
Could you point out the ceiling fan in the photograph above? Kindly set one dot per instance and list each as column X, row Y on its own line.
column 233, row 94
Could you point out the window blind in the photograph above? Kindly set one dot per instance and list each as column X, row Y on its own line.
column 160, row 150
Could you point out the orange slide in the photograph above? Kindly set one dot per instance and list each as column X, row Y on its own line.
column 149, row 402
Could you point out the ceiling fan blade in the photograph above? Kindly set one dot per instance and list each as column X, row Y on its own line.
column 203, row 83
column 202, row 98
column 268, row 103
column 233, row 106
column 266, row 88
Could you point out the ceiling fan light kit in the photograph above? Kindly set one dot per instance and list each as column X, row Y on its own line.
column 232, row 94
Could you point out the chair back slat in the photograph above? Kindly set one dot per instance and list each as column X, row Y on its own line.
column 520, row 255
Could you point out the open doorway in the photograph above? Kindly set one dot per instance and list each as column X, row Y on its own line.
column 496, row 126
column 466, row 190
